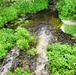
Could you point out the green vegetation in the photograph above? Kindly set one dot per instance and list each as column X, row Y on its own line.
column 8, row 14
column 29, row 6
column 3, row 52
column 62, row 59
column 20, row 37
column 24, row 39
column 66, row 9
column 7, row 41
column 32, row 52
column 19, row 71
column 20, row 7
column 70, row 29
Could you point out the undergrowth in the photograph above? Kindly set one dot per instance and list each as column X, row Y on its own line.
column 7, row 41
column 70, row 29
column 66, row 9
column 62, row 59
column 19, row 71
column 21, row 7
column 20, row 37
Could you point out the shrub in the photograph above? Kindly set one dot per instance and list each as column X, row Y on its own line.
column 7, row 41
column 22, row 33
column 70, row 30
column 19, row 71
column 29, row 6
column 1, row 22
column 66, row 9
column 20, row 7
column 23, row 44
column 7, row 15
column 24, row 39
column 62, row 59
column 10, row 13
column 21, row 37
column 3, row 52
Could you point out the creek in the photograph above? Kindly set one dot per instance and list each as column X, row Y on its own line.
column 46, row 26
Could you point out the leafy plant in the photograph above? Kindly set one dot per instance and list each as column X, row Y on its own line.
column 22, row 33
column 21, row 37
column 62, row 59
column 7, row 41
column 7, row 38
column 7, row 15
column 24, row 39
column 32, row 52
column 70, row 30
column 66, row 9
column 29, row 6
column 19, row 71
column 3, row 52
column 23, row 44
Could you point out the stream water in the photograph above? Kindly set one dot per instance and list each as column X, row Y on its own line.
column 45, row 25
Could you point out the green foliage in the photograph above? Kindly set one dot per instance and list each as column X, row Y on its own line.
column 10, row 13
column 32, row 41
column 20, row 7
column 19, row 71
column 66, row 9
column 7, row 15
column 24, row 39
column 3, row 52
column 23, row 44
column 62, row 59
column 28, row 6
column 7, row 40
column 22, row 33
column 32, row 52
column 70, row 30
column 21, row 37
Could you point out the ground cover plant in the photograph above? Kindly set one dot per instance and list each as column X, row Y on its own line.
column 62, row 59
column 66, row 9
column 19, row 71
column 21, row 7
column 30, row 6
column 6, row 41
column 20, row 37
column 68, row 29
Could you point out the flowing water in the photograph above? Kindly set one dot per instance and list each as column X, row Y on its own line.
column 44, row 37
